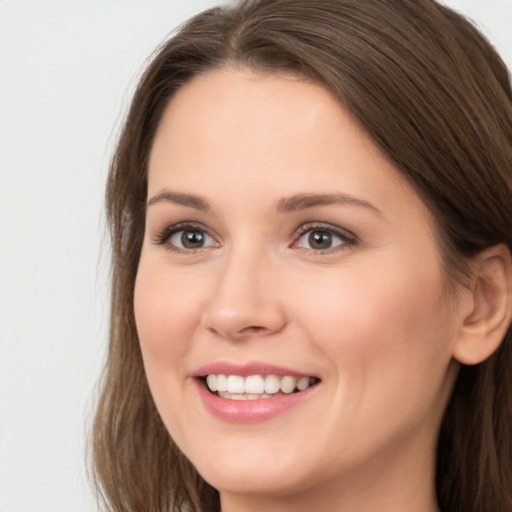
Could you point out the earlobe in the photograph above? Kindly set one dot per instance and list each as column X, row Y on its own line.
column 483, row 328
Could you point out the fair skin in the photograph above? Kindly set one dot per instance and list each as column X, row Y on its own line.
column 345, row 287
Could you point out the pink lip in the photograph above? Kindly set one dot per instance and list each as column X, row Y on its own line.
column 250, row 411
column 251, row 368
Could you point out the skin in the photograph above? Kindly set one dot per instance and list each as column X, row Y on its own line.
column 371, row 316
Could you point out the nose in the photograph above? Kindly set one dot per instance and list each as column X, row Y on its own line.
column 245, row 301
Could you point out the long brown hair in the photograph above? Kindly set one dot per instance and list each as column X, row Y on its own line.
column 436, row 97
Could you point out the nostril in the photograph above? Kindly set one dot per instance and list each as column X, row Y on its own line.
column 252, row 329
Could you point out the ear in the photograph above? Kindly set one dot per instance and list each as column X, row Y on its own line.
column 489, row 312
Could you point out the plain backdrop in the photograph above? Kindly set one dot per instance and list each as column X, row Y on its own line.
column 67, row 71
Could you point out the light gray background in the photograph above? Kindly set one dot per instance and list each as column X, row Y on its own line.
column 67, row 70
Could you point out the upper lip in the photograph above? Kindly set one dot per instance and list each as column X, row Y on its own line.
column 246, row 369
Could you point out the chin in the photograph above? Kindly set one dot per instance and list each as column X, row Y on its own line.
column 252, row 472
column 253, row 480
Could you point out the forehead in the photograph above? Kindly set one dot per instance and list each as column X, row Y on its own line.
column 268, row 135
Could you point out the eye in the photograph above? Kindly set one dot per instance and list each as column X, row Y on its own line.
column 183, row 238
column 323, row 238
column 191, row 239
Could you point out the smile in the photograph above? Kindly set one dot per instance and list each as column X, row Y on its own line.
column 252, row 391
column 255, row 387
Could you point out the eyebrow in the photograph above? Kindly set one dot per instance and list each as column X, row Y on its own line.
column 284, row 205
column 190, row 200
column 304, row 201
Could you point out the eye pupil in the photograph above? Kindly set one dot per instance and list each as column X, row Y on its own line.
column 192, row 238
column 320, row 240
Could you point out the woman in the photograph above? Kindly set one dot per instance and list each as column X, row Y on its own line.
column 310, row 208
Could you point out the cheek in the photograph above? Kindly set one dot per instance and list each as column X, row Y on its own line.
column 166, row 314
column 167, row 317
column 380, row 327
column 388, row 347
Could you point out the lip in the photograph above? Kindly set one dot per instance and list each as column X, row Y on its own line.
column 249, row 411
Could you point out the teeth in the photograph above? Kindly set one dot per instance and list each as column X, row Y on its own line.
column 236, row 387
column 303, row 383
column 212, row 382
column 243, row 396
column 254, row 384
column 236, row 384
column 272, row 384
column 222, row 383
column 288, row 384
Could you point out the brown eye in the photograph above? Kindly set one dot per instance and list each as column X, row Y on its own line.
column 191, row 239
column 320, row 240
column 323, row 238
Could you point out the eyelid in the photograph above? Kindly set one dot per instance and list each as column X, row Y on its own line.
column 163, row 236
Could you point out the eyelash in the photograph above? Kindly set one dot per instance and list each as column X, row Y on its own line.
column 347, row 238
column 162, row 237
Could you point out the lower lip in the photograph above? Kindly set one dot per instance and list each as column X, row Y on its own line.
column 248, row 411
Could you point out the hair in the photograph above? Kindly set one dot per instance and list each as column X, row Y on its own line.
column 435, row 96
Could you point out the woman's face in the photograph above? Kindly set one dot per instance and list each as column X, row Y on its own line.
column 284, row 251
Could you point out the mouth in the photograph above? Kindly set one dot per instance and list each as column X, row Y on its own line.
column 254, row 391
column 256, row 387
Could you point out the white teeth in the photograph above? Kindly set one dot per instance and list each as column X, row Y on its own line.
column 222, row 383
column 272, row 384
column 254, row 384
column 236, row 396
column 236, row 384
column 288, row 384
column 236, row 387
column 244, row 396
column 303, row 383
column 211, row 380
